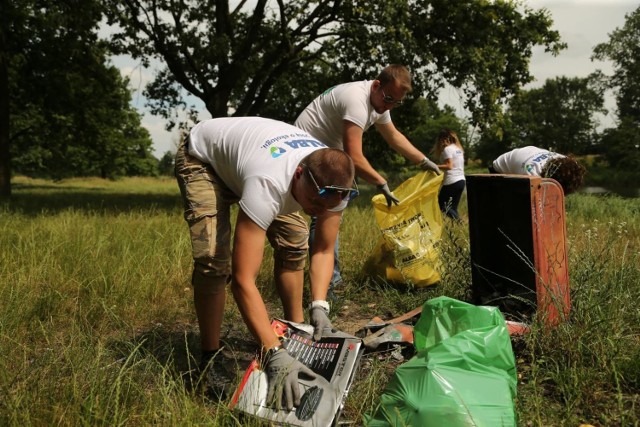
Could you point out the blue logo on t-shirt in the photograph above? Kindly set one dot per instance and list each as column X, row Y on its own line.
column 328, row 90
column 538, row 159
column 277, row 152
column 304, row 143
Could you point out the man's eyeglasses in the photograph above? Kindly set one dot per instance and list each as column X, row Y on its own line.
column 387, row 99
column 329, row 190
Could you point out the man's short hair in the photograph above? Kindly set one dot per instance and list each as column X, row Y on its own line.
column 397, row 72
column 331, row 166
column 567, row 171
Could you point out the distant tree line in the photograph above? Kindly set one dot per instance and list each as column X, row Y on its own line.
column 562, row 114
column 68, row 111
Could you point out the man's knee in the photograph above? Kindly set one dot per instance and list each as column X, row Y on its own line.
column 290, row 258
column 209, row 281
column 289, row 237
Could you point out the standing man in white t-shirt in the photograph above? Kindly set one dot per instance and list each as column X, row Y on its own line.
column 340, row 116
column 271, row 170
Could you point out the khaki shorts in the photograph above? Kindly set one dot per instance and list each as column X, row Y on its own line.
column 207, row 206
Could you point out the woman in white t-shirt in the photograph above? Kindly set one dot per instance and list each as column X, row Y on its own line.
column 450, row 153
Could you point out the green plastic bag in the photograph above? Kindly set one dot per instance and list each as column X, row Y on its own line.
column 444, row 317
column 405, row 252
column 463, row 374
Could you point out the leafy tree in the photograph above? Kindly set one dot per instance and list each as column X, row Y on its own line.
column 481, row 47
column 493, row 141
column 621, row 145
column 69, row 111
column 428, row 119
column 559, row 115
column 623, row 48
column 8, row 13
column 293, row 91
column 274, row 57
column 420, row 120
column 166, row 164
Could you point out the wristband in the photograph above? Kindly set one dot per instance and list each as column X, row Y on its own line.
column 273, row 350
column 320, row 303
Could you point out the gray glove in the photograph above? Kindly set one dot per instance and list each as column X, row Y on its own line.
column 320, row 321
column 384, row 189
column 282, row 375
column 428, row 165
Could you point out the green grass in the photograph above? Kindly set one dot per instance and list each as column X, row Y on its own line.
column 97, row 325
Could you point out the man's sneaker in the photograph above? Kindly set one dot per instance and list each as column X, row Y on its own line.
column 217, row 375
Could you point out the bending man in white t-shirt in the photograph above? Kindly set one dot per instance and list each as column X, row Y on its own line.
column 271, row 170
column 536, row 161
column 340, row 116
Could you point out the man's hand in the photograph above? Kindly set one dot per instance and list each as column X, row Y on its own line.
column 384, row 189
column 282, row 375
column 319, row 320
column 428, row 165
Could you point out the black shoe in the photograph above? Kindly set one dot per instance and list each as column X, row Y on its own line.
column 217, row 375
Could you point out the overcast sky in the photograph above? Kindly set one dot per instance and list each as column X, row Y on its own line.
column 582, row 24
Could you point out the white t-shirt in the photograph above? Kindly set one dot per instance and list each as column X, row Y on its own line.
column 456, row 173
column 528, row 160
column 256, row 158
column 348, row 101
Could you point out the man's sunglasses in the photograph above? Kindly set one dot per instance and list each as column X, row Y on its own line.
column 387, row 99
column 329, row 190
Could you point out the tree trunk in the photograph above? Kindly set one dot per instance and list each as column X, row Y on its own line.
column 5, row 155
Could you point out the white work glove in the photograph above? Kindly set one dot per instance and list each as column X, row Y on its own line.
column 428, row 165
column 319, row 316
column 384, row 189
column 282, row 375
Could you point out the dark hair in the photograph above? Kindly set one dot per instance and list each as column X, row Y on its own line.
column 446, row 137
column 567, row 171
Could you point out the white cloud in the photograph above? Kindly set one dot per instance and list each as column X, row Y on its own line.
column 582, row 25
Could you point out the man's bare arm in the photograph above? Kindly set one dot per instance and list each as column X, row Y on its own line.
column 247, row 256
column 352, row 143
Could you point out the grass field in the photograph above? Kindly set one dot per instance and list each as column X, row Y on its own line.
column 97, row 325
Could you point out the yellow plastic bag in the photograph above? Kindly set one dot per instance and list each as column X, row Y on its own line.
column 405, row 252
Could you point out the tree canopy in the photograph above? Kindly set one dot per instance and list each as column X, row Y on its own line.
column 623, row 48
column 622, row 144
column 256, row 56
column 561, row 115
column 68, row 110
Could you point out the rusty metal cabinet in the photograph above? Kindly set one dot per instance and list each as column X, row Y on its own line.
column 517, row 234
